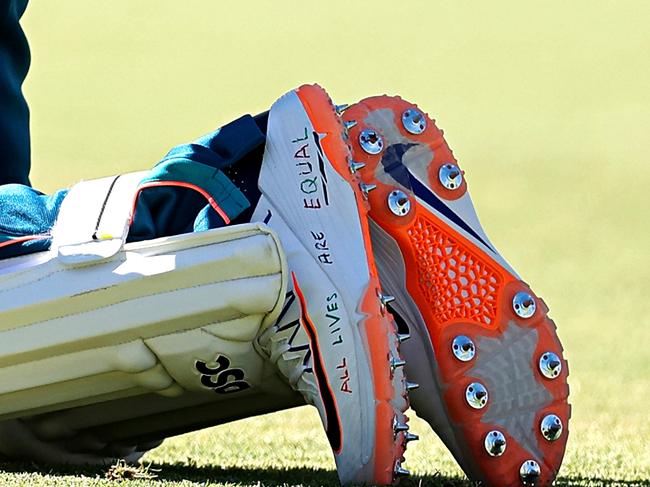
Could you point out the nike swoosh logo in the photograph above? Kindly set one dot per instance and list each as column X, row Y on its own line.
column 333, row 427
column 392, row 160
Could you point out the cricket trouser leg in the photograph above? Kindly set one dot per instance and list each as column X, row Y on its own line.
column 126, row 428
column 20, row 440
column 14, row 115
column 95, row 319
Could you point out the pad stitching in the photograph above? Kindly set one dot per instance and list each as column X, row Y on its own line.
column 135, row 299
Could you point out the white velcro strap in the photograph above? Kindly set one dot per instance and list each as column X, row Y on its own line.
column 94, row 219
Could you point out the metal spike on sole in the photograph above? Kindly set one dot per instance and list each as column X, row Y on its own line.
column 349, row 124
column 367, row 188
column 356, row 166
column 399, row 427
column 411, row 385
column 396, row 363
column 411, row 437
column 401, row 471
column 341, row 108
column 402, row 337
column 386, row 298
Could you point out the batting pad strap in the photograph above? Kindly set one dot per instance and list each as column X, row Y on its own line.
column 94, row 219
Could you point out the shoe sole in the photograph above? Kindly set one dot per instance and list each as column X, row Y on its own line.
column 450, row 282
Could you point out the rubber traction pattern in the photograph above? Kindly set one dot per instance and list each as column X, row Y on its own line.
column 455, row 281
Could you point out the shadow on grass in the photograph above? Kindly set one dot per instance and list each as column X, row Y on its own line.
column 275, row 477
column 577, row 480
column 271, row 477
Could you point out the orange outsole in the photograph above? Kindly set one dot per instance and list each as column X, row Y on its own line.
column 449, row 304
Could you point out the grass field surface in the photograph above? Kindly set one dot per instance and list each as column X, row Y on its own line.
column 547, row 105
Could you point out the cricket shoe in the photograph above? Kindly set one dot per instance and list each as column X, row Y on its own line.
column 493, row 381
column 335, row 342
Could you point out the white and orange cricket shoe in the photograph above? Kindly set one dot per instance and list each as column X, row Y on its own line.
column 493, row 381
column 335, row 342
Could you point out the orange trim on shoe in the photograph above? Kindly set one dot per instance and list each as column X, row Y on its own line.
column 376, row 327
column 378, row 324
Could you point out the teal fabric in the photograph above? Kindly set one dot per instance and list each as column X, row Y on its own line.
column 160, row 211
column 170, row 210
column 26, row 212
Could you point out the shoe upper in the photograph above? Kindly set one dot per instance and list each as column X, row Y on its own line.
column 335, row 340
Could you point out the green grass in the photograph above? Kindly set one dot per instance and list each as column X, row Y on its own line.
column 546, row 105
column 289, row 449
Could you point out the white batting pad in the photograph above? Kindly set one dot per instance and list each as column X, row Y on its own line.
column 167, row 315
